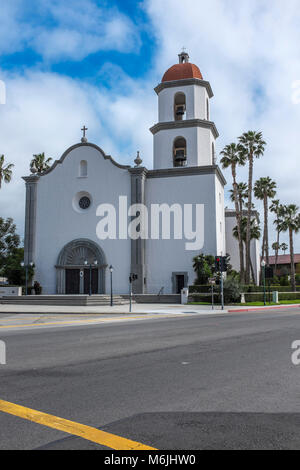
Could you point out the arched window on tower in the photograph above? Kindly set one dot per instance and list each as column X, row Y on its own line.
column 207, row 109
column 83, row 168
column 179, row 152
column 179, row 106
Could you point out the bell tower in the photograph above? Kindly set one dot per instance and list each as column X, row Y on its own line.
column 184, row 135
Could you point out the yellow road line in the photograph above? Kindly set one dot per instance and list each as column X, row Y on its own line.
column 86, row 432
column 49, row 323
column 95, row 322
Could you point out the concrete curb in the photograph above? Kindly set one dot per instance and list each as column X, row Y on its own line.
column 271, row 307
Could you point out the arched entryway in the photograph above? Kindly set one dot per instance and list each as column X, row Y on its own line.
column 73, row 275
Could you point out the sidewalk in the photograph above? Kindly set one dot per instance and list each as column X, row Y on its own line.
column 137, row 308
column 118, row 309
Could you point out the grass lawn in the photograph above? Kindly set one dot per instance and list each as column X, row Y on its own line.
column 253, row 304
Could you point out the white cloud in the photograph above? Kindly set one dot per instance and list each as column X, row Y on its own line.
column 13, row 31
column 43, row 112
column 72, row 30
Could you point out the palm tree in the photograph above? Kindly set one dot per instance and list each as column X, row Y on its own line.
column 291, row 223
column 276, row 248
column 284, row 247
column 5, row 171
column 242, row 192
column 232, row 157
column 255, row 234
column 276, row 207
column 265, row 188
column 251, row 145
column 39, row 163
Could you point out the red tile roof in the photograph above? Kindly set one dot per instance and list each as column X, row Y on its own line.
column 284, row 259
column 182, row 72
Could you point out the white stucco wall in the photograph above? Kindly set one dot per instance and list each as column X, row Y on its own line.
column 199, row 146
column 220, row 218
column 58, row 223
column 195, row 102
column 163, row 257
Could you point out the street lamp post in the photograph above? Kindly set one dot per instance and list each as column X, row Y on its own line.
column 26, row 266
column 90, row 283
column 111, row 285
column 263, row 265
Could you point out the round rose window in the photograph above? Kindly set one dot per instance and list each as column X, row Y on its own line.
column 84, row 202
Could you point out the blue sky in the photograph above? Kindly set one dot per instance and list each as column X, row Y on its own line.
column 66, row 63
column 136, row 61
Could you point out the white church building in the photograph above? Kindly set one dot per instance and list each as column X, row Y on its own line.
column 67, row 206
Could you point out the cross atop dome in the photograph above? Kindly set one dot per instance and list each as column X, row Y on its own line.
column 183, row 56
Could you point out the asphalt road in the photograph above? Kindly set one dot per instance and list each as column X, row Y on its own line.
column 190, row 382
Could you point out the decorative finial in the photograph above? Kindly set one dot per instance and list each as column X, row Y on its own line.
column 138, row 161
column 84, row 139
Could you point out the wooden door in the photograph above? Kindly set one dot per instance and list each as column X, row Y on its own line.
column 94, row 281
column 72, row 281
column 179, row 283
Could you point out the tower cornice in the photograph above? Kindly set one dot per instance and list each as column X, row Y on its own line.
column 184, row 124
column 185, row 82
column 188, row 171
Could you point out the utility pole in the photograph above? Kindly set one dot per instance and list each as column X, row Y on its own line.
column 222, row 291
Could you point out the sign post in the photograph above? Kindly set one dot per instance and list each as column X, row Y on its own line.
column 212, row 282
column 132, row 277
column 222, row 291
column 221, row 267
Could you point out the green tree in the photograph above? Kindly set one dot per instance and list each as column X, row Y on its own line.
column 39, row 163
column 13, row 270
column 5, row 171
column 291, row 223
column 232, row 290
column 252, row 146
column 204, row 267
column 233, row 157
column 284, row 247
column 264, row 189
column 9, row 239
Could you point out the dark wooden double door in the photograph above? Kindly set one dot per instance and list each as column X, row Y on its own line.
column 78, row 284
column 179, row 283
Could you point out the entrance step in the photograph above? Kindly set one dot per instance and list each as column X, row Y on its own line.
column 68, row 300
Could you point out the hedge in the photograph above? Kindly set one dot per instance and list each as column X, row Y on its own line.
column 204, row 297
column 249, row 297
column 259, row 297
column 204, row 289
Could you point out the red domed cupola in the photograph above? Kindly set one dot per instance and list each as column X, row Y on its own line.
column 182, row 71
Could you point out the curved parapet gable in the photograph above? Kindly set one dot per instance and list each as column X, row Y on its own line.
column 85, row 144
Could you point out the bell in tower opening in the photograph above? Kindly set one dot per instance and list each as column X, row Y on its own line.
column 179, row 106
column 179, row 152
